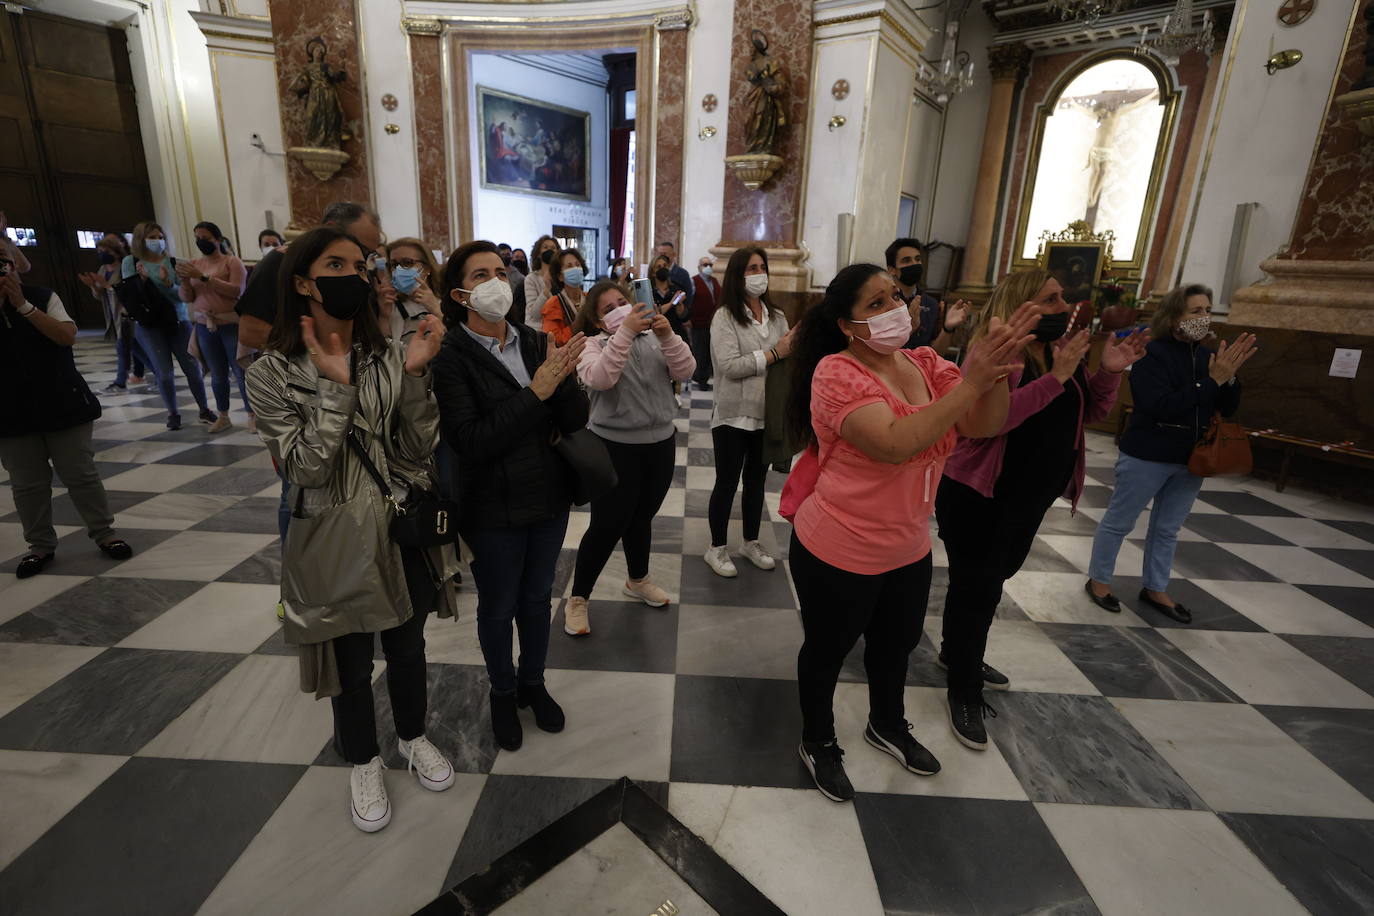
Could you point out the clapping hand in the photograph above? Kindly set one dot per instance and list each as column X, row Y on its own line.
column 1226, row 362
column 332, row 359
column 185, row 271
column 956, row 315
column 1123, row 351
column 1069, row 354
column 998, row 353
column 559, row 363
column 424, row 344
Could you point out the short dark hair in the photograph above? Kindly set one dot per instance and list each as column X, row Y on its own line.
column 455, row 314
column 556, row 268
column 898, row 245
column 286, row 337
column 502, row 247
column 345, row 213
column 666, row 244
column 272, row 232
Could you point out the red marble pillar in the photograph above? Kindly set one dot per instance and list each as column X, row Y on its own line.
column 770, row 215
column 430, row 139
column 295, row 22
column 669, row 128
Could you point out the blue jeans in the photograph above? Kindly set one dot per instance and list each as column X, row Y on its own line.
column 218, row 348
column 161, row 345
column 127, row 351
column 513, row 569
column 1173, row 490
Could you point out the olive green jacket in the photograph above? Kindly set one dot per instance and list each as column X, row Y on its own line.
column 341, row 572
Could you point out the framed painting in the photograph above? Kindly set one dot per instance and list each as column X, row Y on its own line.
column 533, row 147
column 1077, row 265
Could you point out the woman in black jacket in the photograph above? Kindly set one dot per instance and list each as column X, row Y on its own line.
column 504, row 391
column 1176, row 387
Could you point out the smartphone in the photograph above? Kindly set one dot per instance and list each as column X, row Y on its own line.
column 644, row 293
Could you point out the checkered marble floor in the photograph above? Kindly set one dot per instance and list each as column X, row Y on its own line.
column 156, row 756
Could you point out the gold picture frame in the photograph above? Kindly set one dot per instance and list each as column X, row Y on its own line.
column 1076, row 257
column 535, row 160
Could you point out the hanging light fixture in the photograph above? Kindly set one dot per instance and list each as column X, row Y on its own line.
column 1085, row 11
column 1177, row 36
column 952, row 75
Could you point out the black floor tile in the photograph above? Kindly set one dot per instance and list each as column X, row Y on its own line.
column 220, row 456
column 1360, row 561
column 1203, row 560
column 1095, row 497
column 1353, row 600
column 1363, row 530
column 254, row 515
column 98, row 612
column 1237, row 503
column 1044, row 558
column 1340, row 738
column 737, row 732
column 922, row 670
column 64, row 512
column 626, row 636
column 1059, row 520
column 156, row 837
column 753, row 587
column 701, row 457
column 933, row 855
column 1007, row 608
column 77, row 554
column 1136, row 662
column 262, row 568
column 1352, row 659
column 1325, row 862
column 233, row 482
column 1226, row 529
column 115, row 703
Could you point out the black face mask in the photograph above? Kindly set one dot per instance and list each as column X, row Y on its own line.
column 1052, row 327
column 661, row 275
column 342, row 297
column 107, row 258
column 546, row 256
column 207, row 247
column 520, row 265
column 910, row 275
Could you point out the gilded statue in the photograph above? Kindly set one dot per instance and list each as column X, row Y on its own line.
column 768, row 84
column 324, row 119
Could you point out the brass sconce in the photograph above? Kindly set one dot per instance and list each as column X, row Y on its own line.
column 835, row 121
column 392, row 128
column 706, row 133
column 1282, row 60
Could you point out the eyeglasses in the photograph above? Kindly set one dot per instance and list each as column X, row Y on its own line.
column 405, row 262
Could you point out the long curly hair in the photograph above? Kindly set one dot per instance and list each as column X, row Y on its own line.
column 818, row 337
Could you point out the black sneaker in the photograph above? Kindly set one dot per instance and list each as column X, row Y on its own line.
column 992, row 678
column 966, row 719
column 904, row 747
column 208, row 416
column 826, row 765
column 174, row 421
column 548, row 715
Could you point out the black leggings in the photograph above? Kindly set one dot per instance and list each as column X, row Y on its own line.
column 626, row 514
column 737, row 450
column 979, row 563
column 355, row 723
column 837, row 607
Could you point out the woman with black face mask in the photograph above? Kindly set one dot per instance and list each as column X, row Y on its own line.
column 128, row 354
column 539, row 281
column 996, row 491
column 338, row 406
column 211, row 286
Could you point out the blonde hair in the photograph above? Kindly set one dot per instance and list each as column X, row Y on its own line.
column 433, row 277
column 139, row 247
column 1016, row 288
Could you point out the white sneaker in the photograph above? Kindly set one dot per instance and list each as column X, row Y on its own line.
column 575, row 621
column 753, row 552
column 432, row 768
column 718, row 558
column 371, row 807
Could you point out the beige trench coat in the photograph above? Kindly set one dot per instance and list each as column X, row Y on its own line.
column 341, row 572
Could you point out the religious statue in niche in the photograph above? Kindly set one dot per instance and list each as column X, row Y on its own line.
column 325, row 130
column 768, row 83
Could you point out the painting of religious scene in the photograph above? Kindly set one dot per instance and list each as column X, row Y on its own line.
column 533, row 147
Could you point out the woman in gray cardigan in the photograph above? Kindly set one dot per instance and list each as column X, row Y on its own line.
column 747, row 336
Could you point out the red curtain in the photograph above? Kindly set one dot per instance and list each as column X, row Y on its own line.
column 620, row 172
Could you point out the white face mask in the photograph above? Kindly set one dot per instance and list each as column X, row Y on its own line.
column 268, row 249
column 1195, row 328
column 491, row 299
column 706, row 271
column 756, row 284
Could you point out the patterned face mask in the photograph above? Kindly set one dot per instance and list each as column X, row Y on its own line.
column 1195, row 328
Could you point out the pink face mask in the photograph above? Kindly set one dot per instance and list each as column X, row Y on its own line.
column 888, row 331
column 615, row 318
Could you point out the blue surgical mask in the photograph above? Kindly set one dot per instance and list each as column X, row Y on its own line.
column 573, row 276
column 406, row 279
column 156, row 246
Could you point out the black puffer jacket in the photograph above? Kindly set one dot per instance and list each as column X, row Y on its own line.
column 507, row 472
column 1174, row 399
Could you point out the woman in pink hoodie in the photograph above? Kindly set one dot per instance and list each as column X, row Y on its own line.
column 628, row 369
column 996, row 491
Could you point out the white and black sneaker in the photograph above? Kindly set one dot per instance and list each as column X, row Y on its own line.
column 966, row 719
column 903, row 746
column 371, row 807
column 992, row 678
column 826, row 765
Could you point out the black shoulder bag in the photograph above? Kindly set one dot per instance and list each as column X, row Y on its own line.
column 144, row 303
column 424, row 520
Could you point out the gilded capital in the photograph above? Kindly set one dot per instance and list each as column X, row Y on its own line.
column 672, row 22
column 417, row 26
column 1009, row 61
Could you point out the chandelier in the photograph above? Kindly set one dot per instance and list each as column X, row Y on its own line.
column 1085, row 11
column 1177, row 36
column 952, row 75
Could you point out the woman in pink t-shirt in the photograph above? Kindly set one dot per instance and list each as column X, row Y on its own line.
column 883, row 420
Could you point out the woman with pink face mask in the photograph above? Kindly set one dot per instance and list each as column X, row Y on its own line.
column 628, row 367
column 879, row 421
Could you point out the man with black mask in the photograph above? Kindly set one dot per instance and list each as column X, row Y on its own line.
column 932, row 324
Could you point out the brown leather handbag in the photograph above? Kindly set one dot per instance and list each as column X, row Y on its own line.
column 1224, row 450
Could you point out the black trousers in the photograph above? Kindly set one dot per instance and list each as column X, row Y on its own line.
column 701, row 349
column 626, row 514
column 355, row 724
column 986, row 541
column 738, row 451
column 837, row 607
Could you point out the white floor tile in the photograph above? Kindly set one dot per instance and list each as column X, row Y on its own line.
column 18, row 596
column 31, row 668
column 1283, row 608
column 221, row 617
column 174, row 511
column 1307, row 532
column 156, row 478
column 1261, row 668
column 1052, row 597
column 1298, row 565
column 39, row 789
column 193, row 555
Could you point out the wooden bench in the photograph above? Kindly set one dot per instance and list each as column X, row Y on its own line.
column 1340, row 452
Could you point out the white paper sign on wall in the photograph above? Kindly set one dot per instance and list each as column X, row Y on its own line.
column 1345, row 363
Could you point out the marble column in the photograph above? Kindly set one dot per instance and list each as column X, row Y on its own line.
column 669, row 128
column 1008, row 65
column 770, row 216
column 430, row 137
column 294, row 23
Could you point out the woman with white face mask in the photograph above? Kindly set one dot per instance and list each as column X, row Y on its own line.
column 1176, row 387
column 747, row 336
column 879, row 422
column 504, row 390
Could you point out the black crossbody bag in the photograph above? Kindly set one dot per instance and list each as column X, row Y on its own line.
column 424, row 520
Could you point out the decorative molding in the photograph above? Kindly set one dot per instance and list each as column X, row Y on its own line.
column 1011, row 61
column 224, row 32
column 680, row 20
column 414, row 25
column 1043, row 32
column 883, row 17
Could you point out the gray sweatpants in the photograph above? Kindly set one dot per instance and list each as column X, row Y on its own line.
column 30, row 461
